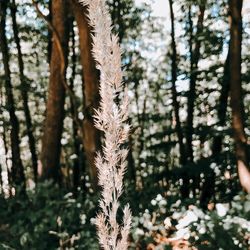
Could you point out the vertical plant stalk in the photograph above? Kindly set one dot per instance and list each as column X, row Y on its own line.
column 111, row 119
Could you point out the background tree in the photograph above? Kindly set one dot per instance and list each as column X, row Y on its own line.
column 17, row 166
column 51, row 142
column 235, row 8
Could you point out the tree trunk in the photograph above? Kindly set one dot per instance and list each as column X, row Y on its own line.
column 237, row 106
column 24, row 91
column 91, row 136
column 194, row 59
column 17, row 166
column 176, row 106
column 51, row 141
column 173, row 89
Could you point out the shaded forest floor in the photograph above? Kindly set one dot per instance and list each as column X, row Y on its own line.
column 49, row 218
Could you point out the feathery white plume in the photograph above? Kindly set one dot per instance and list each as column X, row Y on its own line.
column 111, row 119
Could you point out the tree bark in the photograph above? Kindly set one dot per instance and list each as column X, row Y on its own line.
column 51, row 141
column 237, row 106
column 91, row 136
column 24, row 91
column 17, row 166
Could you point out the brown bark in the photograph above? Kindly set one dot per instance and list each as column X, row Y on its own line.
column 24, row 91
column 51, row 141
column 17, row 166
column 91, row 136
column 237, row 106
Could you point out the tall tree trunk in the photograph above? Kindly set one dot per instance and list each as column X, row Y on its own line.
column 173, row 89
column 176, row 106
column 51, row 141
column 24, row 91
column 235, row 8
column 194, row 60
column 91, row 136
column 17, row 166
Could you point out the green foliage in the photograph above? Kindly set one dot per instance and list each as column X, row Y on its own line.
column 47, row 219
column 227, row 226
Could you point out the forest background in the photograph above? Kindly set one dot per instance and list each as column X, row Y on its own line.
column 188, row 175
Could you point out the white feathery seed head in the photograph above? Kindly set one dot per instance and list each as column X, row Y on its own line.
column 111, row 118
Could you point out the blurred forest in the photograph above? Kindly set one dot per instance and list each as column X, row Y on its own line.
column 188, row 176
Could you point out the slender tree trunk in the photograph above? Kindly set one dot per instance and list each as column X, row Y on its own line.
column 91, row 136
column 51, row 141
column 173, row 88
column 237, row 106
column 194, row 59
column 176, row 106
column 17, row 166
column 24, row 91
